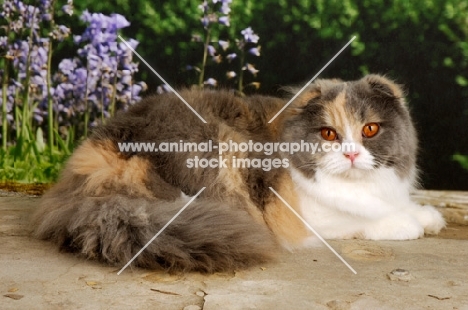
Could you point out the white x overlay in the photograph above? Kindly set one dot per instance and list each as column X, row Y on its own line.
column 161, row 230
column 311, row 80
column 203, row 120
column 164, row 81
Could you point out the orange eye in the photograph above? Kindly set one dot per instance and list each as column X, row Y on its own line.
column 328, row 134
column 370, row 130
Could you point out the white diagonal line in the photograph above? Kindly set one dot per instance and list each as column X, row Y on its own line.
column 164, row 81
column 308, row 83
column 160, row 231
column 313, row 230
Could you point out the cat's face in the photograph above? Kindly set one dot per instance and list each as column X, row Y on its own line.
column 365, row 123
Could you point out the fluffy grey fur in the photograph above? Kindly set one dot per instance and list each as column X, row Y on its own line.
column 108, row 205
column 206, row 237
column 112, row 220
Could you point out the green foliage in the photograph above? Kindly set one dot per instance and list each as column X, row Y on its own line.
column 421, row 44
column 31, row 161
column 39, row 99
column 462, row 160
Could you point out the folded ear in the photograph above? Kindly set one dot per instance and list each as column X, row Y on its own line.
column 384, row 86
column 313, row 91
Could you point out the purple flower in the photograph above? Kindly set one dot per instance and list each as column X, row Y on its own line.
column 77, row 39
column 19, row 51
column 250, row 68
column 38, row 59
column 45, row 4
column 3, row 42
column 45, row 7
column 211, row 16
column 231, row 56
column 16, row 26
column 137, row 89
column 68, row 8
column 118, row 21
column 224, row 20
column 94, row 62
column 133, row 44
column 211, row 82
column 60, row 32
column 67, row 66
column 163, row 89
column 204, row 7
column 47, row 16
column 101, row 28
column 224, row 44
column 205, row 20
column 100, row 76
column 255, row 51
column 249, row 35
column 126, row 77
column 189, row 67
column 211, row 50
column 38, row 115
column 225, row 8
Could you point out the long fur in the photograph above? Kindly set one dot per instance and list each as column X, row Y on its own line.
column 108, row 204
column 206, row 237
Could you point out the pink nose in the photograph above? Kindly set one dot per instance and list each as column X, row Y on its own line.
column 351, row 155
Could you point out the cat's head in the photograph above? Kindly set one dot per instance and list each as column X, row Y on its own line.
column 365, row 122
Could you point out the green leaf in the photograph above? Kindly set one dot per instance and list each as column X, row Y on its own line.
column 462, row 81
column 462, row 160
column 40, row 145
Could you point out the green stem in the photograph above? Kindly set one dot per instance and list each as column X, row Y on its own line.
column 4, row 97
column 50, row 104
column 86, row 120
column 114, row 93
column 205, row 56
column 102, row 104
column 240, row 87
column 4, row 106
column 86, row 112
column 17, row 116
column 26, row 94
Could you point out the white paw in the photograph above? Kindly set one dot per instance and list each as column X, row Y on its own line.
column 431, row 219
column 394, row 227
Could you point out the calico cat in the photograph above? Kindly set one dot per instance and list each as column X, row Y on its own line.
column 363, row 192
column 110, row 202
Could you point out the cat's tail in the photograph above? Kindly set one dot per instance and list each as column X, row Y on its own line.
column 207, row 236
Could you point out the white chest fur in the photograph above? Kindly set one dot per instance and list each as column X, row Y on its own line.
column 366, row 204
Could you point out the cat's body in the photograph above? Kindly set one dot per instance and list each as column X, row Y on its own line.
column 108, row 203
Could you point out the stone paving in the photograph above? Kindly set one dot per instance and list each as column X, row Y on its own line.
column 430, row 273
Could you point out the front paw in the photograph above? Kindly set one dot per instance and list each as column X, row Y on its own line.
column 430, row 218
column 394, row 227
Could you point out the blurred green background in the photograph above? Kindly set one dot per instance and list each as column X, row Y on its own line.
column 422, row 44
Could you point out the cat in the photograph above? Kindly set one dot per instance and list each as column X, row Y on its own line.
column 363, row 192
column 109, row 202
